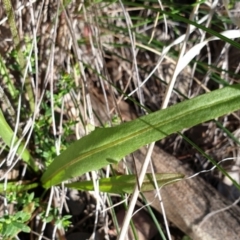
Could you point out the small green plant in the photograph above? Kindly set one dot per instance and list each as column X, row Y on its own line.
column 103, row 146
column 11, row 225
column 22, row 199
column 55, row 217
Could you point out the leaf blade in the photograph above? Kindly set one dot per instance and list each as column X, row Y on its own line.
column 7, row 134
column 92, row 151
column 125, row 183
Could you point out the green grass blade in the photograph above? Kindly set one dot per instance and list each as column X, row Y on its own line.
column 126, row 183
column 17, row 42
column 7, row 134
column 179, row 18
column 93, row 151
column 6, row 81
column 18, row 186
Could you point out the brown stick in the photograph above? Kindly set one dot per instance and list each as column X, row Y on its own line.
column 188, row 203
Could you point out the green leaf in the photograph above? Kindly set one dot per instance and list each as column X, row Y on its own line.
column 21, row 186
column 126, row 183
column 21, row 227
column 13, row 228
column 93, row 151
column 7, row 134
column 9, row 230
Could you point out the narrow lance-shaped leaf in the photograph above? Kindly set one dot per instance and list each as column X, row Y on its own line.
column 126, row 183
column 93, row 151
column 21, row 186
column 7, row 134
